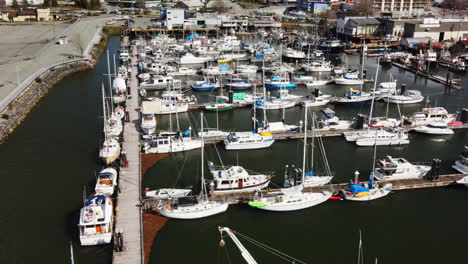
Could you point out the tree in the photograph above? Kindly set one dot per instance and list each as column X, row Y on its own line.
column 92, row 4
column 220, row 7
column 365, row 7
column 25, row 4
column 14, row 4
column 55, row 3
column 46, row 3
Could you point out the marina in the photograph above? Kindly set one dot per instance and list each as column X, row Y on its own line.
column 281, row 134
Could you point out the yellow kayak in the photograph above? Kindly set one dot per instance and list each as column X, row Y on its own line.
column 361, row 194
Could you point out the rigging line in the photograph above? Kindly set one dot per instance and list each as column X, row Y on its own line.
column 216, row 148
column 270, row 249
column 227, row 254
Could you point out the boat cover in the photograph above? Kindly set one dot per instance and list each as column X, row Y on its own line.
column 357, row 188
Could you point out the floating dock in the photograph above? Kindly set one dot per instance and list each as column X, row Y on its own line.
column 128, row 220
column 151, row 205
column 439, row 79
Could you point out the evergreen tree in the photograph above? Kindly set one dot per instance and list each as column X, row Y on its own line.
column 14, row 4
column 46, row 3
column 77, row 3
column 55, row 3
column 25, row 4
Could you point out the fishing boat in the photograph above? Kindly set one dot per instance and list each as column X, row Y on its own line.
column 206, row 85
column 194, row 207
column 355, row 97
column 276, row 82
column 363, row 192
column 106, row 181
column 239, row 85
column 398, row 168
column 318, row 66
column 148, row 123
column 350, row 78
column 219, row 105
column 434, row 128
column 386, row 89
column 428, row 115
column 248, row 140
column 234, row 179
column 96, row 220
column 316, row 82
column 461, row 165
column 408, row 97
column 166, row 193
column 332, row 46
column 330, row 121
column 157, row 82
column 183, row 71
column 221, row 70
column 383, row 138
column 294, row 54
column 189, row 58
column 171, row 144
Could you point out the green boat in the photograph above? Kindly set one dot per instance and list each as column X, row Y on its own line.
column 219, row 105
column 257, row 204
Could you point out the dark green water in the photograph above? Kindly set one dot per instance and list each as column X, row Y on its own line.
column 53, row 154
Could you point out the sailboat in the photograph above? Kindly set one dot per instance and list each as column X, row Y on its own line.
column 193, row 207
column 292, row 198
column 110, row 149
column 214, row 132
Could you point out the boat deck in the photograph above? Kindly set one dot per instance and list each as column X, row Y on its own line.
column 128, row 213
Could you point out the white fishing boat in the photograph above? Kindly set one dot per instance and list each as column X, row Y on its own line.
column 428, row 115
column 148, row 123
column 124, row 56
column 408, row 97
column 119, row 85
column 248, row 140
column 96, row 221
column 167, row 193
column 398, row 168
column 363, row 192
column 294, row 54
column 316, row 82
column 461, row 165
column 318, row 66
column 189, row 58
column 383, row 138
column 106, row 181
column 233, row 179
column 434, row 128
column 157, row 82
column 350, row 78
column 194, row 207
column 171, row 144
column 331, row 122
column 183, row 71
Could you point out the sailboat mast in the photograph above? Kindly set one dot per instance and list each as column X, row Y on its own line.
column 110, row 83
column 115, row 67
column 104, row 112
column 305, row 145
column 373, row 93
column 202, row 157
column 362, row 65
column 312, row 140
column 264, row 91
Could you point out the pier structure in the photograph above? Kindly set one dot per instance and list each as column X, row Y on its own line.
column 151, row 205
column 128, row 222
column 439, row 79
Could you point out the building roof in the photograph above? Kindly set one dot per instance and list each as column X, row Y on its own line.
column 417, row 40
column 192, row 3
column 443, row 27
column 365, row 21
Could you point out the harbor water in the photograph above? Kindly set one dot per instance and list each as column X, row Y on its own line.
column 53, row 155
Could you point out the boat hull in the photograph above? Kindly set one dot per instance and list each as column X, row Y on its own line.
column 202, row 210
column 263, row 144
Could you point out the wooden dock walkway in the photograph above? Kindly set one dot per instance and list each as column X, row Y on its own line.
column 435, row 78
column 129, row 213
column 407, row 184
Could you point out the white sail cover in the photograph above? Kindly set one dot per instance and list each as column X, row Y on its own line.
column 293, row 191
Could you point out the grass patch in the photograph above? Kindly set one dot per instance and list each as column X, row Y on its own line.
column 111, row 30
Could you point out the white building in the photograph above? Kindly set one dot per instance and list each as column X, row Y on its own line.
column 30, row 2
column 174, row 18
column 438, row 29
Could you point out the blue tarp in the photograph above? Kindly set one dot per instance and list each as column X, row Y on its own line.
column 224, row 68
column 357, row 188
column 259, row 56
column 186, row 133
column 310, row 173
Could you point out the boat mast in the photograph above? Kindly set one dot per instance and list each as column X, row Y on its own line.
column 373, row 93
column 244, row 252
column 115, row 67
column 104, row 112
column 305, row 145
column 264, row 92
column 203, row 187
column 110, row 84
column 312, row 143
column 362, row 65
